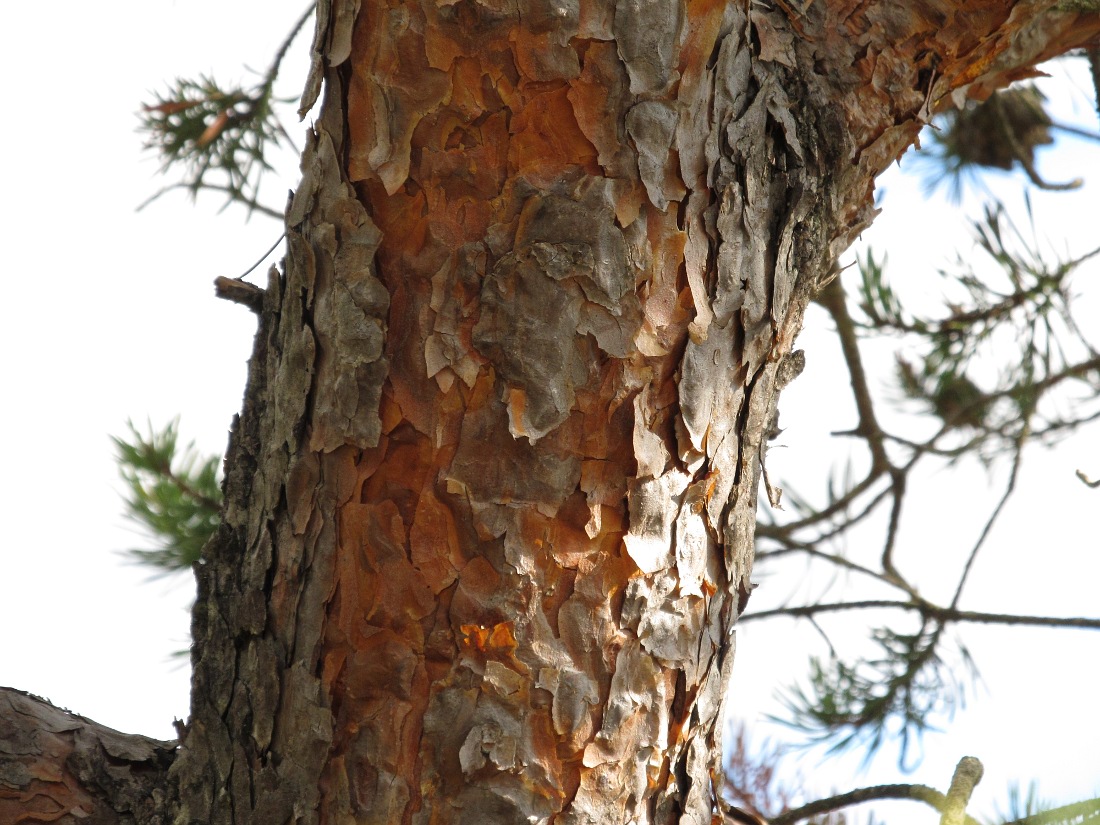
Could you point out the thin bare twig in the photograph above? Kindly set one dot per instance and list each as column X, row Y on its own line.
column 897, row 490
column 835, row 302
column 1009, row 489
column 927, row 609
column 919, row 793
column 240, row 197
column 839, row 561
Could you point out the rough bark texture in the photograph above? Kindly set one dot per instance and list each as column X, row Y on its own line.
column 492, row 503
column 56, row 766
column 491, row 500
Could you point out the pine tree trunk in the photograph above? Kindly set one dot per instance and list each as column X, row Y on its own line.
column 491, row 499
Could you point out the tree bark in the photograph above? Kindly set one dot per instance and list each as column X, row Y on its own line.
column 56, row 766
column 491, row 499
column 491, row 516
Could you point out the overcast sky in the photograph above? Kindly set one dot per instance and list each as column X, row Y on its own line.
column 110, row 316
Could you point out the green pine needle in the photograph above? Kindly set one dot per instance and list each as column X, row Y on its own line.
column 172, row 493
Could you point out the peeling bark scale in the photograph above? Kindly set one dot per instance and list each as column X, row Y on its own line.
column 56, row 766
column 491, row 500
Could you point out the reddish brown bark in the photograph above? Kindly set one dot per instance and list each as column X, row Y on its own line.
column 492, row 497
column 56, row 766
column 546, row 265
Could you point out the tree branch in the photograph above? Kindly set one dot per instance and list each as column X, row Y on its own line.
column 1009, row 489
column 833, row 299
column 240, row 292
column 799, row 547
column 968, row 773
column 928, row 610
column 1089, row 809
column 55, row 765
column 235, row 195
column 919, row 793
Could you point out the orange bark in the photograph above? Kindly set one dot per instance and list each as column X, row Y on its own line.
column 503, row 551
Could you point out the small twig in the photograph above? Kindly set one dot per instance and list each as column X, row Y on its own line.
column 1055, row 427
column 897, row 489
column 1075, row 371
column 927, row 609
column 235, row 195
column 833, row 299
column 240, row 292
column 837, row 506
column 968, row 773
column 919, row 793
column 273, row 72
column 839, row 561
column 1088, row 482
column 836, row 529
column 807, row 610
column 1076, row 131
column 975, row 617
column 263, row 258
column 825, row 636
column 1009, row 489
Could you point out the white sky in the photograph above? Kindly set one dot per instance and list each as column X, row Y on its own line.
column 111, row 316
